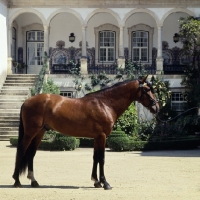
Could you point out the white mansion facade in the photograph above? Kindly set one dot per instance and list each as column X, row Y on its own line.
column 105, row 32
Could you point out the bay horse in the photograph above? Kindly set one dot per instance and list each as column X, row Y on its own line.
column 92, row 116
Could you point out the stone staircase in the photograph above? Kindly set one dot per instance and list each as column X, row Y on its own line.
column 13, row 93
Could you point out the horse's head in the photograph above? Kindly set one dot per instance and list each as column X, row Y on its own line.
column 147, row 97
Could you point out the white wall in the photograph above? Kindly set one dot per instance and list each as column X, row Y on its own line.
column 60, row 28
column 140, row 18
column 171, row 26
column 95, row 21
column 3, row 43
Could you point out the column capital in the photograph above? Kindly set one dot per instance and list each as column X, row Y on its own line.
column 84, row 27
column 46, row 27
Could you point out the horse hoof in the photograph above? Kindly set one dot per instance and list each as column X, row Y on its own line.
column 17, row 184
column 34, row 184
column 97, row 185
column 106, row 186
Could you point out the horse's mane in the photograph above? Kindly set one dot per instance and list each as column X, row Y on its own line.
column 108, row 88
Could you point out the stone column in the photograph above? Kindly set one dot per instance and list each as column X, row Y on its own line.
column 159, row 59
column 121, row 59
column 46, row 39
column 46, row 45
column 84, row 50
column 9, row 59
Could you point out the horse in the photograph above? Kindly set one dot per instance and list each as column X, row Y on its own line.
column 92, row 116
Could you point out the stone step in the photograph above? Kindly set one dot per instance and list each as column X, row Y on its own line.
column 22, row 74
column 7, row 137
column 10, row 105
column 15, row 91
column 6, row 100
column 14, row 87
column 14, row 97
column 9, row 124
column 9, row 132
column 15, row 84
column 14, row 80
column 12, row 128
column 8, row 110
column 21, row 78
column 9, row 118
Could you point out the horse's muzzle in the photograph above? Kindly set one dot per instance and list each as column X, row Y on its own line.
column 155, row 109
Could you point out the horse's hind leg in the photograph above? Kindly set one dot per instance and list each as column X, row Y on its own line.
column 20, row 164
column 31, row 153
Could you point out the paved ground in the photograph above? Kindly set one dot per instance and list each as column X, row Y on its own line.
column 65, row 175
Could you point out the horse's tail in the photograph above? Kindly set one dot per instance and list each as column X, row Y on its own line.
column 24, row 161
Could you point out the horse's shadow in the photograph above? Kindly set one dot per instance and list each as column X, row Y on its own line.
column 48, row 186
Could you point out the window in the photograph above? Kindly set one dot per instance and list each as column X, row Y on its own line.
column 107, row 46
column 66, row 94
column 35, row 36
column 177, row 101
column 106, row 43
column 14, row 38
column 140, row 46
column 140, row 43
column 35, row 48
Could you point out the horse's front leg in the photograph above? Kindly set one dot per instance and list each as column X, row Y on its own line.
column 101, row 170
column 99, row 155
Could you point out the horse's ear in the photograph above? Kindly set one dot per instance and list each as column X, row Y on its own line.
column 143, row 80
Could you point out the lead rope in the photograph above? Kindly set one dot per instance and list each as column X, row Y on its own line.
column 176, row 116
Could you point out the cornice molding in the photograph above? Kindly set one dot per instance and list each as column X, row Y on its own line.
column 103, row 3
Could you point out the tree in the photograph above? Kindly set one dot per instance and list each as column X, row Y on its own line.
column 190, row 37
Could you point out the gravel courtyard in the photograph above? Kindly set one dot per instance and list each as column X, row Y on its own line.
column 153, row 175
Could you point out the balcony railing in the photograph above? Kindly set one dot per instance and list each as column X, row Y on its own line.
column 177, row 66
column 99, row 67
column 149, row 66
column 169, row 67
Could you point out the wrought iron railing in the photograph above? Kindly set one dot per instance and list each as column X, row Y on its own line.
column 96, row 67
column 99, row 68
column 71, row 68
column 149, row 66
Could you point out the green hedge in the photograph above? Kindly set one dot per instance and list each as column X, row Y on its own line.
column 164, row 145
column 61, row 142
column 118, row 141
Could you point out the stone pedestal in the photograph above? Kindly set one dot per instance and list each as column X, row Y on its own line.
column 121, row 63
column 84, row 66
column 9, row 65
column 159, row 65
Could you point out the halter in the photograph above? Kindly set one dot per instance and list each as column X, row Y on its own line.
column 143, row 91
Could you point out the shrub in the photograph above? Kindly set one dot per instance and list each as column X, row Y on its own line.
column 118, row 141
column 60, row 142
column 128, row 121
column 63, row 142
column 14, row 141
